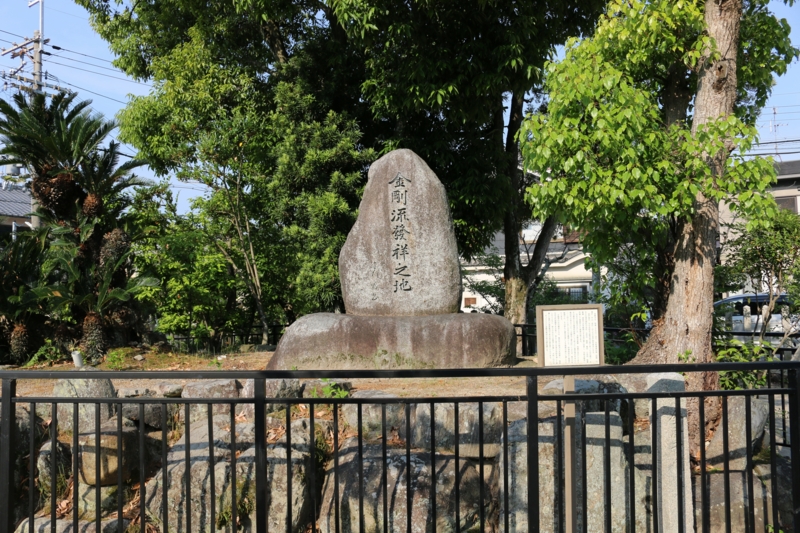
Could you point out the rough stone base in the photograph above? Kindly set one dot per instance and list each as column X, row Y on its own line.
column 334, row 341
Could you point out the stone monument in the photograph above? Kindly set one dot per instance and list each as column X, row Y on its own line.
column 401, row 282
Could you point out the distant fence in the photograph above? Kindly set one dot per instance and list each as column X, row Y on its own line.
column 225, row 342
column 619, row 336
column 632, row 451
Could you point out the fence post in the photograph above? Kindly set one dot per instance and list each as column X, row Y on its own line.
column 7, row 426
column 259, row 394
column 533, row 454
column 794, row 428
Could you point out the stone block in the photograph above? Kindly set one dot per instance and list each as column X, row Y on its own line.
column 667, row 457
column 468, row 428
column 107, row 449
column 399, row 482
column 737, row 436
column 371, row 415
column 83, row 388
column 216, row 388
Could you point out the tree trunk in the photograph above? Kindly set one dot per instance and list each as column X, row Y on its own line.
column 685, row 331
column 518, row 277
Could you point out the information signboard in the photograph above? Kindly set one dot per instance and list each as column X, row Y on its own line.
column 569, row 335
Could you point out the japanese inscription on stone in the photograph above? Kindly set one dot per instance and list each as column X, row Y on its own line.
column 570, row 335
column 400, row 230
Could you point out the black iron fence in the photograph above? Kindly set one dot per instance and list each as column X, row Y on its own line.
column 270, row 458
column 226, row 342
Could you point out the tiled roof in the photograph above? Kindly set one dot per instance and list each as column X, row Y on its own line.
column 788, row 168
column 14, row 203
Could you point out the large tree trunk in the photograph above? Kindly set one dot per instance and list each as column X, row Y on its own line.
column 685, row 331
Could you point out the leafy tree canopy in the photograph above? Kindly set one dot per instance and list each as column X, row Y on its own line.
column 614, row 151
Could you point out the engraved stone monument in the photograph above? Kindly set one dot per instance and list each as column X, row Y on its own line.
column 401, row 283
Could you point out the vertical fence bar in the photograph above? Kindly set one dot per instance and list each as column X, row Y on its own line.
column 409, row 495
column 558, row 467
column 384, row 481
column 456, row 450
column 679, row 462
column 794, row 397
column 53, row 467
column 32, row 466
column 164, row 478
column 97, row 466
column 7, row 445
column 704, row 496
column 119, row 470
column 143, row 473
column 337, row 525
column 211, row 477
column 76, row 474
column 312, row 470
column 726, row 469
column 748, row 437
column 654, row 460
column 631, row 462
column 481, row 509
column 187, row 477
column 584, row 492
column 773, row 466
column 607, row 468
column 289, row 468
column 505, row 463
column 360, row 432
column 259, row 394
column 533, row 454
column 433, row 467
column 234, row 508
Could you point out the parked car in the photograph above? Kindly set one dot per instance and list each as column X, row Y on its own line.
column 757, row 302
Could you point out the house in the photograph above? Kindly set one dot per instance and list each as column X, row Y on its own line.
column 15, row 208
column 566, row 268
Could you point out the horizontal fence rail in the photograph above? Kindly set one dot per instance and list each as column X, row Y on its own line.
column 270, row 457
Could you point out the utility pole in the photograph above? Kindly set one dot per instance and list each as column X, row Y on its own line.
column 39, row 44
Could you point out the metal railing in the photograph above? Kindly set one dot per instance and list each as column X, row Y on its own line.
column 379, row 471
column 225, row 342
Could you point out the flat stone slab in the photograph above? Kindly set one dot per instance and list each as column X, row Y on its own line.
column 326, row 341
column 401, row 258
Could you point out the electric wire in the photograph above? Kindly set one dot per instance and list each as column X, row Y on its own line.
column 99, row 73
column 55, row 47
column 64, row 13
column 85, row 62
column 14, row 34
column 92, row 92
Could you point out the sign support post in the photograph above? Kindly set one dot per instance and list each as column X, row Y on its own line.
column 570, row 335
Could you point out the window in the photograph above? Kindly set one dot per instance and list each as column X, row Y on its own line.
column 470, row 301
column 787, row 202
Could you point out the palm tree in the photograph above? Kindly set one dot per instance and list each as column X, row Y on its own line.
column 20, row 278
column 92, row 293
column 60, row 143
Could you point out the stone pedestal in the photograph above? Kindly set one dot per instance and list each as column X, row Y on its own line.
column 332, row 341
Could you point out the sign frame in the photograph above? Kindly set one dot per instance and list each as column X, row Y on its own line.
column 541, row 333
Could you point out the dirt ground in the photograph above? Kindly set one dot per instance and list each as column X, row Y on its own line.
column 404, row 388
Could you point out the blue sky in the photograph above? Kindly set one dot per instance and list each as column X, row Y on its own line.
column 67, row 26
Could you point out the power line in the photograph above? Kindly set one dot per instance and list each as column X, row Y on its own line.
column 65, row 13
column 54, row 47
column 92, row 92
column 99, row 73
column 85, row 62
column 14, row 34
